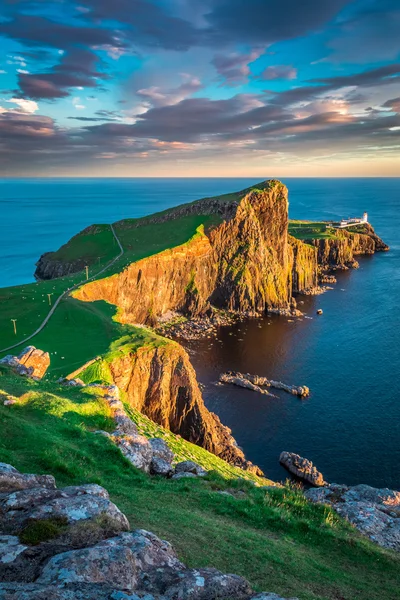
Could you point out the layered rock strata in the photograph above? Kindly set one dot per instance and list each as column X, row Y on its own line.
column 89, row 552
column 161, row 383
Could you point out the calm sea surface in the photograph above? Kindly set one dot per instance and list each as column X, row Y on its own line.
column 349, row 357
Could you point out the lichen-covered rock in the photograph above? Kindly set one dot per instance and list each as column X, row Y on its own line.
column 122, row 561
column 161, row 449
column 188, row 466
column 10, row 548
column 30, row 363
column 86, row 557
column 11, row 481
column 159, row 466
column 137, row 449
column 374, row 512
column 302, row 468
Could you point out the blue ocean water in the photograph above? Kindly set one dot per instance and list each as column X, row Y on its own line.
column 349, row 357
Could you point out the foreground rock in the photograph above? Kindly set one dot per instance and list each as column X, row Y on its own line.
column 253, row 382
column 30, row 363
column 302, row 468
column 374, row 512
column 151, row 455
column 90, row 555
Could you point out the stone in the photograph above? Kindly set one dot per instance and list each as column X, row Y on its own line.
column 7, row 468
column 122, row 561
column 207, row 584
column 269, row 596
column 374, row 512
column 159, row 466
column 302, row 468
column 10, row 548
column 11, row 481
column 137, row 449
column 161, row 449
column 183, row 475
column 188, row 466
column 35, row 360
column 78, row 508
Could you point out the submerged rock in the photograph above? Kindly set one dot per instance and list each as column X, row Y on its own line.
column 302, row 468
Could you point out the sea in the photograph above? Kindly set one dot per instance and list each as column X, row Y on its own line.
column 349, row 356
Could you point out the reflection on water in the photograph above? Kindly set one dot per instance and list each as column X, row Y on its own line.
column 349, row 426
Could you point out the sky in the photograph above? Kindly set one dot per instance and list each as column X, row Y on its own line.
column 199, row 88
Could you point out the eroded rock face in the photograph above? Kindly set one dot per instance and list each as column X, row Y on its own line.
column 245, row 264
column 374, row 512
column 31, row 362
column 341, row 252
column 302, row 468
column 99, row 561
column 161, row 383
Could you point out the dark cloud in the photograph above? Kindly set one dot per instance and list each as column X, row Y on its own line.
column 234, row 67
column 393, row 104
column 35, row 30
column 365, row 78
column 77, row 68
column 279, row 72
column 267, row 21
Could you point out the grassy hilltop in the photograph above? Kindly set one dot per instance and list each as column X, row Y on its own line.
column 271, row 536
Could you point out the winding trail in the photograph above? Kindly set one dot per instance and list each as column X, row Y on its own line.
column 66, row 292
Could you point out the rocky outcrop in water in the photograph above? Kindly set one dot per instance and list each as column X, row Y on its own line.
column 74, row 543
column 302, row 468
column 30, row 363
column 161, row 383
column 374, row 512
column 253, row 382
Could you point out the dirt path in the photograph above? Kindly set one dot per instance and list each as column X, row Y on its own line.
column 64, row 294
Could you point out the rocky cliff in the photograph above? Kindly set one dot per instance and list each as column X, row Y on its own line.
column 161, row 383
column 246, row 264
column 341, row 250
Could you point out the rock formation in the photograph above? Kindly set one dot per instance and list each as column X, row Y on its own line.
column 246, row 264
column 75, row 543
column 149, row 455
column 161, row 383
column 31, row 362
column 302, row 468
column 253, row 382
column 374, row 512
column 340, row 252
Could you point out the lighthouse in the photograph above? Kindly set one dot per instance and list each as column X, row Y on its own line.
column 365, row 218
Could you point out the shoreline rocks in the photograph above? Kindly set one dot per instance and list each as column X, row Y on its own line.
column 302, row 468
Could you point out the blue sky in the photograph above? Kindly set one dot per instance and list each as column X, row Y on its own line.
column 199, row 87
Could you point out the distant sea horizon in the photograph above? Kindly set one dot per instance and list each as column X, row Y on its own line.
column 350, row 426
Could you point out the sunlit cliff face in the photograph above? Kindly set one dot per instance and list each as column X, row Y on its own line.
column 166, row 88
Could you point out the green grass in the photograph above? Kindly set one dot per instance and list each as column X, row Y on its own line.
column 309, row 230
column 94, row 245
column 273, row 537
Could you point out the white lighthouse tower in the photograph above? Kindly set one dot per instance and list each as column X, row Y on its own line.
column 365, row 218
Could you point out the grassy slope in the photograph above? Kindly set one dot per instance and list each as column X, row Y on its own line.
column 94, row 245
column 273, row 537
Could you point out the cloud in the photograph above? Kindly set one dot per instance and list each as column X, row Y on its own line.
column 158, row 96
column 77, row 68
column 279, row 72
column 234, row 67
column 24, row 105
column 368, row 35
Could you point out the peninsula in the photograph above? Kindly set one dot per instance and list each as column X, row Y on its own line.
column 108, row 400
